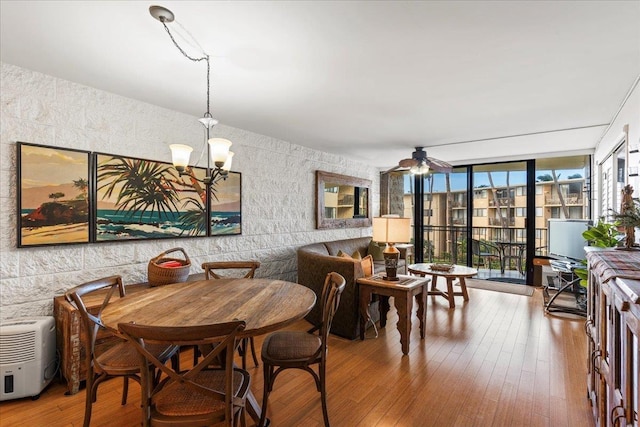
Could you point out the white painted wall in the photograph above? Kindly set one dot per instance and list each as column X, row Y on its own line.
column 629, row 115
column 278, row 187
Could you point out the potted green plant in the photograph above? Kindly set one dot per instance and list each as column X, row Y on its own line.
column 601, row 235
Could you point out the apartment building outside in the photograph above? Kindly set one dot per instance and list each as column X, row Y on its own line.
column 499, row 214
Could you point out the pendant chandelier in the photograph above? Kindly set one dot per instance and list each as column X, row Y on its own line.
column 217, row 148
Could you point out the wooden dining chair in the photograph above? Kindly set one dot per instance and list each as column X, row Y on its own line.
column 244, row 269
column 200, row 395
column 119, row 359
column 301, row 350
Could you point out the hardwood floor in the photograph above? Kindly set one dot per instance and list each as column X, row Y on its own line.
column 497, row 360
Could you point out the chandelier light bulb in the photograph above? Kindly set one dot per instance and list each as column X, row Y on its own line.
column 180, row 154
column 227, row 163
column 219, row 148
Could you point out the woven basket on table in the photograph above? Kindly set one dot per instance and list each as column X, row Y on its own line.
column 159, row 275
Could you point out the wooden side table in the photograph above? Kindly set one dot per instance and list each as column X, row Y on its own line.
column 403, row 291
column 459, row 272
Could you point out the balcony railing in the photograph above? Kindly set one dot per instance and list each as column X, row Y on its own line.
column 499, row 222
column 503, row 201
column 569, row 199
column 448, row 244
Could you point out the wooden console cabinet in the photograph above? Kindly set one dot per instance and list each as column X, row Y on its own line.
column 70, row 334
column 613, row 328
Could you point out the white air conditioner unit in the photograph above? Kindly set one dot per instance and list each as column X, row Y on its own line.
column 27, row 356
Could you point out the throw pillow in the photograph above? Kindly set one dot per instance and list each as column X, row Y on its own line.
column 356, row 255
column 367, row 265
column 366, row 262
column 375, row 251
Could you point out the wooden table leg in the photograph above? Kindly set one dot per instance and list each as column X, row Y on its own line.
column 463, row 288
column 383, row 305
column 434, row 280
column 421, row 299
column 404, row 305
column 365, row 299
column 450, row 295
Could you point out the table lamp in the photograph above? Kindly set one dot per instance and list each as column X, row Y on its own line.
column 391, row 230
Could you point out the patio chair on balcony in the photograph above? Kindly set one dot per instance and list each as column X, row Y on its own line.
column 484, row 253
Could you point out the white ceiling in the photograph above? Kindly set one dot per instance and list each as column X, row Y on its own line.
column 369, row 80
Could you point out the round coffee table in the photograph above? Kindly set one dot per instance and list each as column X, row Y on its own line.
column 459, row 272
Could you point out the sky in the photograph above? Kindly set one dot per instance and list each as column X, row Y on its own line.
column 459, row 180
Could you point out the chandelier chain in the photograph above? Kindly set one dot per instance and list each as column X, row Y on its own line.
column 181, row 153
column 203, row 58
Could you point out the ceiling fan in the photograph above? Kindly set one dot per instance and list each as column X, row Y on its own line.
column 420, row 164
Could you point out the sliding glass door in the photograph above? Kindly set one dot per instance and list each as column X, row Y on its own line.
column 495, row 216
column 498, row 226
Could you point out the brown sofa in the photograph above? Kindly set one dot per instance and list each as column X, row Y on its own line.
column 318, row 259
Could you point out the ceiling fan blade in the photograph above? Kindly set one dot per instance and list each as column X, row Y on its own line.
column 438, row 165
column 407, row 163
column 393, row 169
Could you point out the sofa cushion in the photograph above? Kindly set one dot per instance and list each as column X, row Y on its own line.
column 355, row 255
column 375, row 250
column 319, row 248
column 348, row 246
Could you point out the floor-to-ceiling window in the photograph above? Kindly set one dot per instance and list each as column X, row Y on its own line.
column 613, row 177
column 500, row 209
column 499, row 235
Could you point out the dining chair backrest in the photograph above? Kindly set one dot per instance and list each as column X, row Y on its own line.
column 93, row 318
column 283, row 350
column 212, row 270
column 113, row 360
column 227, row 270
column 185, row 388
column 334, row 285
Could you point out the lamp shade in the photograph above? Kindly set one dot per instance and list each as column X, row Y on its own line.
column 180, row 154
column 392, row 230
column 227, row 163
column 219, row 148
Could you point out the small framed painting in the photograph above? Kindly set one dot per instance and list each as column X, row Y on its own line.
column 54, row 190
column 140, row 199
column 226, row 206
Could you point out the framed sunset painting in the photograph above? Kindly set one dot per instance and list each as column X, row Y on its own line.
column 226, row 206
column 140, row 199
column 53, row 195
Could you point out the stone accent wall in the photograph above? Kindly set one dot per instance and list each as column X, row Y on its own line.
column 278, row 188
column 392, row 194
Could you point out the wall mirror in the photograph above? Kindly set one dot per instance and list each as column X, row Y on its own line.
column 342, row 201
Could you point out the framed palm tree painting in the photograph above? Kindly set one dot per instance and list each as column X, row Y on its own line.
column 144, row 199
column 226, row 206
column 53, row 195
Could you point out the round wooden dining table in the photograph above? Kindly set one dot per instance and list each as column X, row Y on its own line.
column 265, row 305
